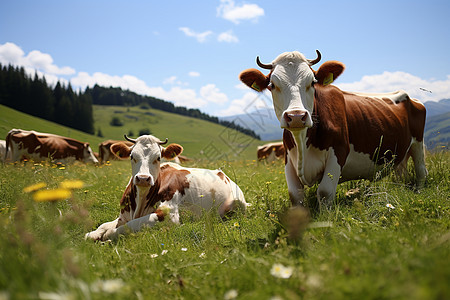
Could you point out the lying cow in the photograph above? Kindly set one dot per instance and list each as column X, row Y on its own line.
column 41, row 146
column 270, row 152
column 167, row 185
column 333, row 136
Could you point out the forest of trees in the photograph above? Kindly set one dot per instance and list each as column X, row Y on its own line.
column 32, row 95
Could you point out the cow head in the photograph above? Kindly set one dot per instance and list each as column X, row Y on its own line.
column 88, row 154
column 145, row 155
column 291, row 81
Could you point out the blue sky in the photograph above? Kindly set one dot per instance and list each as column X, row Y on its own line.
column 191, row 52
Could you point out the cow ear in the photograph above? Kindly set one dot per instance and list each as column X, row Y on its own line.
column 329, row 71
column 121, row 150
column 171, row 151
column 254, row 79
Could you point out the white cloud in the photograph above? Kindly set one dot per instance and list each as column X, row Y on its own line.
column 393, row 81
column 227, row 37
column 250, row 102
column 194, row 74
column 201, row 37
column 170, row 80
column 212, row 94
column 236, row 13
column 12, row 54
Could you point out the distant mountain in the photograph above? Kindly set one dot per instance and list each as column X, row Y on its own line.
column 437, row 108
column 437, row 131
column 263, row 122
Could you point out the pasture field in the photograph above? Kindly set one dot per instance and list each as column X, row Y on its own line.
column 381, row 240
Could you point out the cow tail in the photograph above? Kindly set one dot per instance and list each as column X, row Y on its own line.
column 8, row 142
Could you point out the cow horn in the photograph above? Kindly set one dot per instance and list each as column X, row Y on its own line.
column 264, row 66
column 315, row 61
column 165, row 142
column 128, row 139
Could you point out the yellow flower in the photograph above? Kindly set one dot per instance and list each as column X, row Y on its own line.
column 71, row 184
column 236, row 224
column 52, row 195
column 34, row 187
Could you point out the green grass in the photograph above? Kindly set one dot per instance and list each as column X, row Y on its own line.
column 359, row 249
column 200, row 139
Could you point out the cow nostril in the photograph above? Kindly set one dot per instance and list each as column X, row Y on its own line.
column 287, row 117
column 304, row 117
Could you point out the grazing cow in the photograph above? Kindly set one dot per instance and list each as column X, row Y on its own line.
column 333, row 136
column 4, row 156
column 270, row 152
column 40, row 146
column 104, row 150
column 168, row 184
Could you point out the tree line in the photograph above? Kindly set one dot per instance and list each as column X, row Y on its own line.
column 61, row 104
column 32, row 95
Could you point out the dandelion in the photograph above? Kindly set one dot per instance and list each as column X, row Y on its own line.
column 268, row 182
column 71, row 184
column 52, row 195
column 34, row 187
column 184, row 249
column 164, row 252
column 154, row 255
column 390, row 206
column 231, row 294
column 280, row 271
column 236, row 225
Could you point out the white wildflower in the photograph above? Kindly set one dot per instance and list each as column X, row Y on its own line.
column 390, row 206
column 164, row 252
column 184, row 249
column 202, row 255
column 154, row 255
column 280, row 271
column 231, row 294
column 108, row 286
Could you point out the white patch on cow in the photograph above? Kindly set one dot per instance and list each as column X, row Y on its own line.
column 358, row 166
column 395, row 97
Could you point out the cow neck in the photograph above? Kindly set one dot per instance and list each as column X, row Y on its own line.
column 147, row 199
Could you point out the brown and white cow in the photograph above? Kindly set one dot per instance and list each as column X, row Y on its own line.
column 167, row 185
column 41, row 146
column 104, row 150
column 333, row 136
column 270, row 152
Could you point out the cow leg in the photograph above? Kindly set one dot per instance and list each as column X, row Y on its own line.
column 417, row 152
column 327, row 186
column 295, row 187
column 101, row 230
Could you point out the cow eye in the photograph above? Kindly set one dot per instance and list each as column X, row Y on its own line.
column 131, row 156
column 158, row 159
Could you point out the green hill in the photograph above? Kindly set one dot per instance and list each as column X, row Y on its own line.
column 437, row 131
column 200, row 139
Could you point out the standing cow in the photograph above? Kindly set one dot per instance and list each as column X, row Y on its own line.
column 333, row 136
column 168, row 185
column 41, row 146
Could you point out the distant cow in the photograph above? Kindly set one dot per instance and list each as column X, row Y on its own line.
column 104, row 150
column 40, row 146
column 270, row 152
column 167, row 185
column 4, row 156
column 333, row 136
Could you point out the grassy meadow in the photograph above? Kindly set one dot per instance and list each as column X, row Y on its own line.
column 381, row 240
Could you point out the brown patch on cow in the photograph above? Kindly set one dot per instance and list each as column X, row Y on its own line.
column 172, row 180
column 288, row 142
column 223, row 177
column 128, row 200
column 264, row 151
column 160, row 214
column 254, row 79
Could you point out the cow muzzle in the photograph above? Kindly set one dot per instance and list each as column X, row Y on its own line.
column 142, row 180
column 296, row 119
